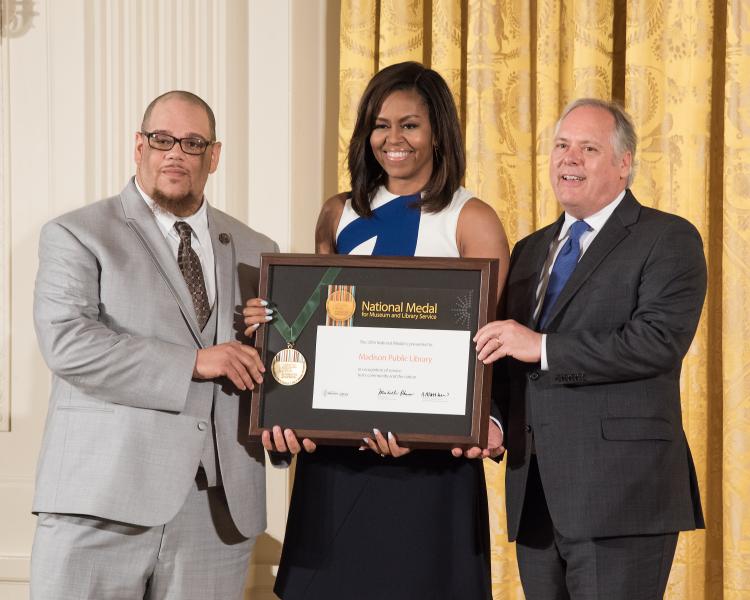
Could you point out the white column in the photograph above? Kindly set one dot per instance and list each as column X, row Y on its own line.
column 76, row 76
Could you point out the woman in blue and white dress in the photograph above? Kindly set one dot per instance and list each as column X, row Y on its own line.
column 383, row 521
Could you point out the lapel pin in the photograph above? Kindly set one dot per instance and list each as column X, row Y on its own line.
column 224, row 238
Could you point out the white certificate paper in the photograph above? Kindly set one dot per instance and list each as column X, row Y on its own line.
column 391, row 370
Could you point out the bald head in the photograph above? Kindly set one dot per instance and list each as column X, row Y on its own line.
column 188, row 97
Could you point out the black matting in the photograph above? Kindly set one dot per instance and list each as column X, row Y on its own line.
column 287, row 287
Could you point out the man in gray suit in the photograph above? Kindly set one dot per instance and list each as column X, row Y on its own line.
column 146, row 485
column 600, row 308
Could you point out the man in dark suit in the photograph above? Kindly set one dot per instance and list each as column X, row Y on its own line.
column 600, row 309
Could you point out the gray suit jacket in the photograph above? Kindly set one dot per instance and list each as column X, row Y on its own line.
column 606, row 418
column 116, row 326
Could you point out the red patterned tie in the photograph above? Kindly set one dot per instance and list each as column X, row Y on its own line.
column 190, row 265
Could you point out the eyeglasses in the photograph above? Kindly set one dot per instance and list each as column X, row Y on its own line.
column 164, row 141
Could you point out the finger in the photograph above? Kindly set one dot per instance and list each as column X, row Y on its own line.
column 246, row 351
column 256, row 370
column 487, row 340
column 474, row 452
column 265, row 439
column 251, row 330
column 395, row 449
column 253, row 366
column 278, row 439
column 236, row 376
column 489, row 331
column 260, row 320
column 496, row 355
column 309, row 445
column 371, row 445
column 256, row 302
column 291, row 441
column 257, row 315
column 258, row 364
column 492, row 345
column 381, row 442
column 240, row 369
column 483, row 330
column 250, row 356
column 457, row 452
column 495, row 452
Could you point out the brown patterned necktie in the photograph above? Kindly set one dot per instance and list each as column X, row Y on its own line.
column 190, row 265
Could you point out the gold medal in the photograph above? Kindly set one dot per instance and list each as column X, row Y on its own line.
column 340, row 305
column 288, row 367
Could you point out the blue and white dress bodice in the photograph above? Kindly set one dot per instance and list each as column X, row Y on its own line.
column 397, row 228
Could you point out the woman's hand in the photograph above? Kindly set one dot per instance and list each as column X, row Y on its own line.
column 384, row 447
column 255, row 313
column 285, row 441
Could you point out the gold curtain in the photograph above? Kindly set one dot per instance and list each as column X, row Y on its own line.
column 682, row 69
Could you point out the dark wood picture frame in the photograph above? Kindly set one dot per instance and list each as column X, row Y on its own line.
column 286, row 280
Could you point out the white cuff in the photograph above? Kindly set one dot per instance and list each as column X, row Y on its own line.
column 496, row 422
column 545, row 366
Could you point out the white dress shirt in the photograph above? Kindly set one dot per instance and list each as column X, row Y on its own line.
column 200, row 241
column 595, row 223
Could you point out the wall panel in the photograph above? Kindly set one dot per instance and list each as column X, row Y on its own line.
column 75, row 76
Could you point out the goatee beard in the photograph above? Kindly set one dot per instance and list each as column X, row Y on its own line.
column 181, row 206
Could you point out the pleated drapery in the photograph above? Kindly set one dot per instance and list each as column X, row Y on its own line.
column 682, row 70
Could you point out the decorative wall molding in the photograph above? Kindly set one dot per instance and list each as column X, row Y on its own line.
column 76, row 79
column 135, row 51
column 16, row 492
column 14, row 568
column 4, row 229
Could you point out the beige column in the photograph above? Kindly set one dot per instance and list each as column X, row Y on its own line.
column 75, row 77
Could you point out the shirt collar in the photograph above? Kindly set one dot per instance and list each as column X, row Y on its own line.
column 595, row 221
column 166, row 220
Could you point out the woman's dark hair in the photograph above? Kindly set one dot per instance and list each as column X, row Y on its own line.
column 448, row 160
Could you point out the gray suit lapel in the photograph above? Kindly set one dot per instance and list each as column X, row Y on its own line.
column 225, row 272
column 140, row 219
column 613, row 232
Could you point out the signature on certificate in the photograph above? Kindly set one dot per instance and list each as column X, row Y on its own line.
column 436, row 396
column 394, row 392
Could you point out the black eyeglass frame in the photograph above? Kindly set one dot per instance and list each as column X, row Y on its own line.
column 175, row 140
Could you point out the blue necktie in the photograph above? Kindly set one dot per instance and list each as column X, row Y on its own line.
column 565, row 264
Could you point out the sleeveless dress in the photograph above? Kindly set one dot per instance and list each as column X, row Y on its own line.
column 365, row 527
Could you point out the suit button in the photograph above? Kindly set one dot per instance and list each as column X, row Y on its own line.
column 202, row 426
column 534, row 375
column 527, row 428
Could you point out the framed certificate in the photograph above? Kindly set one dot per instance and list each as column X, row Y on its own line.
column 358, row 343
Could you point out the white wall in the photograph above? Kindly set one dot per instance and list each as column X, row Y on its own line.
column 75, row 78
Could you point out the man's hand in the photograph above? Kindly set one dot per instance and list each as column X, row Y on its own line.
column 508, row 338
column 285, row 441
column 494, row 445
column 240, row 363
